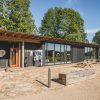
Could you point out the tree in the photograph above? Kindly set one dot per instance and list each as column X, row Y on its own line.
column 63, row 23
column 96, row 38
column 16, row 16
column 4, row 14
column 21, row 16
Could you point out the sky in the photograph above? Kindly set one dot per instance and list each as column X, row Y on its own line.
column 89, row 10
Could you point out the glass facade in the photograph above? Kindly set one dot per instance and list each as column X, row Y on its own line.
column 49, row 54
column 63, row 54
column 57, row 53
column 57, row 56
column 68, row 59
column 90, row 53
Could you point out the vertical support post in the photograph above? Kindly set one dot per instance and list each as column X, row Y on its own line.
column 49, row 77
column 22, row 54
column 19, row 55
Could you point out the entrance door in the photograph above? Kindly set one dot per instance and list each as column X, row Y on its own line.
column 14, row 57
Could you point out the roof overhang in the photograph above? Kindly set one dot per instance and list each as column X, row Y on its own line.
column 20, row 37
column 17, row 37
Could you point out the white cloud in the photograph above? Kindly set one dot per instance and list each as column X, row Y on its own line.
column 92, row 30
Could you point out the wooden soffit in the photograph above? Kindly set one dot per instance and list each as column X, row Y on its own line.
column 18, row 36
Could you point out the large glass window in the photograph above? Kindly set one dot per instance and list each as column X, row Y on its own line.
column 62, row 53
column 86, row 53
column 57, row 54
column 68, row 54
column 46, row 54
column 94, row 53
column 65, row 54
column 90, row 53
column 49, row 54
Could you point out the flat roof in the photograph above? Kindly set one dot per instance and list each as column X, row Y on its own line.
column 6, row 35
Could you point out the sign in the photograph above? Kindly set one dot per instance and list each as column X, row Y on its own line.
column 2, row 53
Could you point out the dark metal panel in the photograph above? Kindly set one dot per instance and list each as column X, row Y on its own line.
column 78, row 54
column 32, row 46
column 5, row 59
column 97, row 54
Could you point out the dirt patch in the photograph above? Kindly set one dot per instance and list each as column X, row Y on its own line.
column 19, row 82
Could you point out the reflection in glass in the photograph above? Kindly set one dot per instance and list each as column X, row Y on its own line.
column 93, row 53
column 46, row 54
column 90, row 53
column 62, row 54
column 49, row 52
column 86, row 53
column 57, row 54
column 68, row 54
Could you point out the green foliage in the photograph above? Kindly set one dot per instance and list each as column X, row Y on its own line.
column 77, row 37
column 18, row 16
column 63, row 23
column 96, row 38
column 4, row 16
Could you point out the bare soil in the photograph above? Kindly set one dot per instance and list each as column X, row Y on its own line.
column 31, row 84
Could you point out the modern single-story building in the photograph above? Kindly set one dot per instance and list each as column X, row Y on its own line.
column 23, row 50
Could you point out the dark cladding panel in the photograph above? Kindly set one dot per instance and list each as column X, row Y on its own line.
column 74, row 54
column 78, row 54
column 32, row 46
column 5, row 46
column 97, row 54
